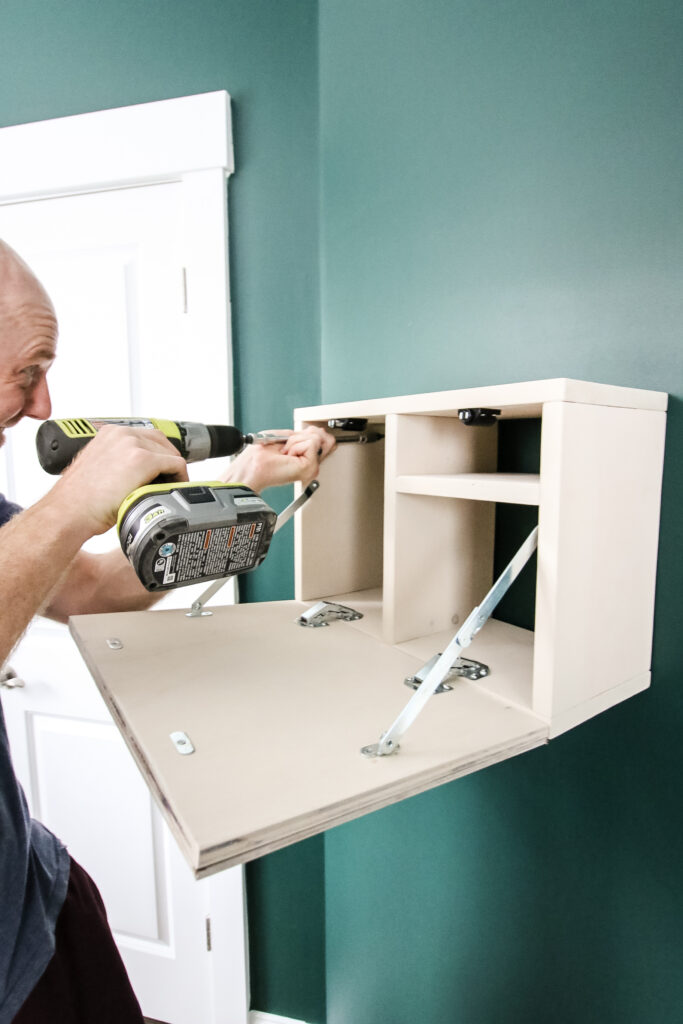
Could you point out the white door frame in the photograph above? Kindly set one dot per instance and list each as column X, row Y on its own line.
column 139, row 145
column 189, row 140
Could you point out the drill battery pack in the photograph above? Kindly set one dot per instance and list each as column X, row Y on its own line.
column 175, row 534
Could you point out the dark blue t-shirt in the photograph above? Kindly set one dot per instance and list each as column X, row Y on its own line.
column 34, row 874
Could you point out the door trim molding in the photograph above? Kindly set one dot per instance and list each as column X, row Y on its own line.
column 142, row 144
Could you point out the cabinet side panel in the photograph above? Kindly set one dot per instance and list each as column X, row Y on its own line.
column 601, row 471
column 339, row 532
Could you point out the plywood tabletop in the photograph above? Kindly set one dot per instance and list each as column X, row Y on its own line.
column 277, row 714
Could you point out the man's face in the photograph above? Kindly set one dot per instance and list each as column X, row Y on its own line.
column 28, row 343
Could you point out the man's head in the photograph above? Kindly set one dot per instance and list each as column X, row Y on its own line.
column 28, row 342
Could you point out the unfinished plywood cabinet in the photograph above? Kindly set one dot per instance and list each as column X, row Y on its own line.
column 402, row 530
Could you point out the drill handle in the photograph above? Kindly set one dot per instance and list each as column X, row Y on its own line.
column 57, row 448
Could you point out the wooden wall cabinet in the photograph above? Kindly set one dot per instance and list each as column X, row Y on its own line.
column 401, row 530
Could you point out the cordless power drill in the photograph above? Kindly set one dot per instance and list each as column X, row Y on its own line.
column 175, row 534
column 59, row 441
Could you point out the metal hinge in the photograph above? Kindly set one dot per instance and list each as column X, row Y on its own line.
column 324, row 612
column 463, row 668
column 208, row 935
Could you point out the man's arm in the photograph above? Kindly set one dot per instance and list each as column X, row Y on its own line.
column 38, row 546
column 108, row 583
column 98, row 583
column 36, row 549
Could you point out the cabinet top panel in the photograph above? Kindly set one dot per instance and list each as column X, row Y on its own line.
column 515, row 400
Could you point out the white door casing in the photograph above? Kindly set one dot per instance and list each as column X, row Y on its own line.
column 127, row 227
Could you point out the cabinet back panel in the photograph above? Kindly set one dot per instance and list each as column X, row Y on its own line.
column 442, row 564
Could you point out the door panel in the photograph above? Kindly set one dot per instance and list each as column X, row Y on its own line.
column 82, row 773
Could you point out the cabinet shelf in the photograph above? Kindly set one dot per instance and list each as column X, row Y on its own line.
column 510, row 488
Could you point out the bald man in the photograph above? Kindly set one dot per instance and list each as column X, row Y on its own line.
column 58, row 961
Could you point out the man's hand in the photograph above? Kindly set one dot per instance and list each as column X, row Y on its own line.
column 108, row 469
column 269, row 465
column 120, row 459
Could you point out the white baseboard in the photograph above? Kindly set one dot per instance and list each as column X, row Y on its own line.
column 259, row 1017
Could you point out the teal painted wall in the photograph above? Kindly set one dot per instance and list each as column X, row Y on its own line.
column 60, row 57
column 502, row 198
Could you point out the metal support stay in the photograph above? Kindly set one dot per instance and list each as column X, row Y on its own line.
column 389, row 740
column 197, row 607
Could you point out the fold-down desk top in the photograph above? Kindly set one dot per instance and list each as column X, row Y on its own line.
column 277, row 715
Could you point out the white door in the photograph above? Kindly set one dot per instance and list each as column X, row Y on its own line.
column 117, row 268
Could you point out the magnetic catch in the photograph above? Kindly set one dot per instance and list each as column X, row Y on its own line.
column 478, row 417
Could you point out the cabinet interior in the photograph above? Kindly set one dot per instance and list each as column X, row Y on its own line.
column 412, row 531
